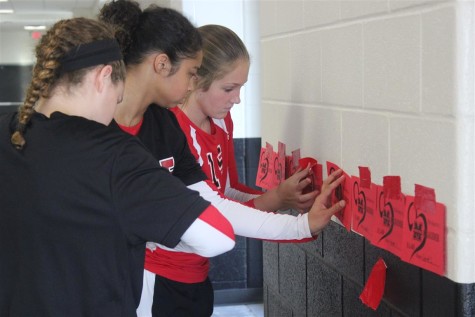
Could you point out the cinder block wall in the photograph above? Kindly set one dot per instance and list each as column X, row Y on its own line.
column 385, row 84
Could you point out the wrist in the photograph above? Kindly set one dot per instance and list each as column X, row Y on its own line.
column 279, row 194
column 315, row 228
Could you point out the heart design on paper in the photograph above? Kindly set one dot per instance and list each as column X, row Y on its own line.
column 417, row 223
column 360, row 201
column 264, row 165
column 277, row 169
column 386, row 213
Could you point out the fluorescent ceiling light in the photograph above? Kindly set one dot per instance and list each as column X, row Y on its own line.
column 34, row 27
column 3, row 0
column 6, row 11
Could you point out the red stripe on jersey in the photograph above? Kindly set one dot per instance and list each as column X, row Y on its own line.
column 215, row 219
column 177, row 266
column 182, row 266
column 134, row 130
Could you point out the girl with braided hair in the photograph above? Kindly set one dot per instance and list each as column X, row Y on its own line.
column 80, row 200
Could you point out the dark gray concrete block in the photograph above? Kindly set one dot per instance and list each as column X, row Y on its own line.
column 438, row 295
column 324, row 287
column 266, row 299
column 312, row 248
column 344, row 251
column 276, row 306
column 270, row 272
column 292, row 277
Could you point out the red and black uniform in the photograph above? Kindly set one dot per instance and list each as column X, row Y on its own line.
column 78, row 203
column 176, row 280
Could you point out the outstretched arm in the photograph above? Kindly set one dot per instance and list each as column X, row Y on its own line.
column 253, row 223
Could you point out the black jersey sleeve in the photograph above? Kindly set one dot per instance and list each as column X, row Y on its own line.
column 153, row 204
column 162, row 135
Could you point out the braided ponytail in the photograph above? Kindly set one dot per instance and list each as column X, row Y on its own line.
column 46, row 75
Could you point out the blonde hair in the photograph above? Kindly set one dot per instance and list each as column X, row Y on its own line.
column 61, row 38
column 222, row 48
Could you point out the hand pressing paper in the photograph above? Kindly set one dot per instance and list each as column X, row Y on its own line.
column 316, row 176
column 342, row 192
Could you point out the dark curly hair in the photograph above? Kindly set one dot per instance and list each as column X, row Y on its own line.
column 154, row 29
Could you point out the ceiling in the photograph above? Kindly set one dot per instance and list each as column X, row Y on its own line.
column 44, row 12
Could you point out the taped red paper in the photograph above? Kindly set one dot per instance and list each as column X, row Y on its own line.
column 265, row 172
column 363, row 204
column 424, row 231
column 390, row 217
column 373, row 290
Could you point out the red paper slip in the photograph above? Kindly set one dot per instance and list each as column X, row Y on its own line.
column 364, row 208
column 424, row 231
column 264, row 177
column 279, row 165
column 390, row 216
column 292, row 163
column 373, row 290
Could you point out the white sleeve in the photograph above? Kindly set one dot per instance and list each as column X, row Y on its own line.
column 253, row 223
column 237, row 195
column 204, row 239
column 209, row 235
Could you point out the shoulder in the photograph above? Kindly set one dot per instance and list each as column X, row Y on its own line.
column 159, row 112
column 90, row 133
column 156, row 114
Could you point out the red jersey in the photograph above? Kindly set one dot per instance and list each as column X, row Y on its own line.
column 215, row 153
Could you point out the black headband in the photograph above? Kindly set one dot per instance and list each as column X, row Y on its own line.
column 91, row 54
